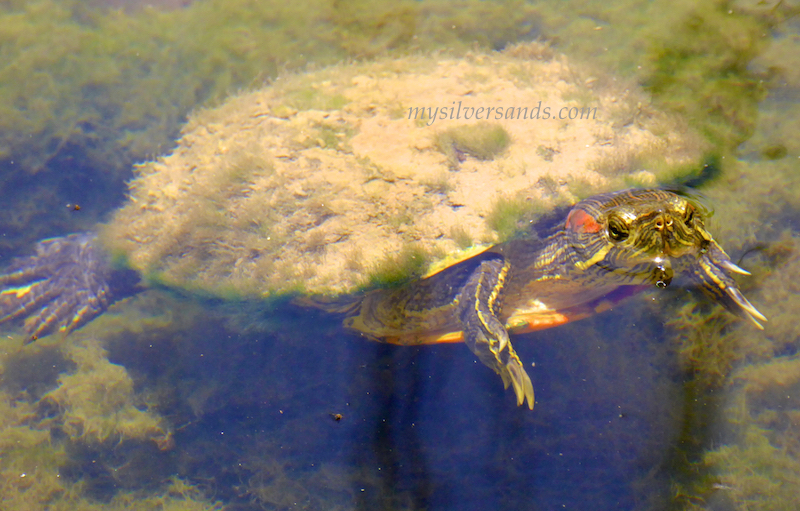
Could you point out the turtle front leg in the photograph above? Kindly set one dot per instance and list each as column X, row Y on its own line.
column 711, row 271
column 485, row 334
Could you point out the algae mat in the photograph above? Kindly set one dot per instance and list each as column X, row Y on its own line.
column 320, row 180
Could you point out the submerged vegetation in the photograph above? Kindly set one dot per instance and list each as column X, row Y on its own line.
column 511, row 216
column 85, row 92
column 90, row 412
column 483, row 141
column 397, row 269
column 103, row 89
column 701, row 69
column 741, row 449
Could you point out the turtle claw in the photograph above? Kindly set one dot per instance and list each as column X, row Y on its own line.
column 513, row 373
column 485, row 335
column 728, row 265
column 744, row 304
column 711, row 273
column 496, row 352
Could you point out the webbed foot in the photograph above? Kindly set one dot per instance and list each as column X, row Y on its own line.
column 62, row 287
column 485, row 334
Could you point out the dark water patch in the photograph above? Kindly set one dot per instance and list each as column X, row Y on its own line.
column 302, row 413
column 69, row 195
column 33, row 372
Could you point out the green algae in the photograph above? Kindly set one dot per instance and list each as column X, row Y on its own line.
column 309, row 98
column 757, row 467
column 744, row 388
column 756, row 474
column 101, row 89
column 483, row 141
column 331, row 136
column 511, row 216
column 144, row 71
column 438, row 184
column 700, row 69
column 461, row 237
column 695, row 58
column 34, row 460
column 97, row 400
column 397, row 269
column 91, row 410
column 753, row 461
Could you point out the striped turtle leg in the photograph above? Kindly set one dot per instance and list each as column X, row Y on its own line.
column 485, row 334
column 711, row 271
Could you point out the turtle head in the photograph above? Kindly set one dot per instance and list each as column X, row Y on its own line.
column 637, row 234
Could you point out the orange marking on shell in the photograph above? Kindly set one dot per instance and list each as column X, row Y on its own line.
column 579, row 220
column 449, row 337
column 413, row 340
column 539, row 321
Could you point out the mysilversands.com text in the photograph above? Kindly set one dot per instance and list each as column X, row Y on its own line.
column 487, row 113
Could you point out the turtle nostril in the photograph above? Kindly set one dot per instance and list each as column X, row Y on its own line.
column 662, row 222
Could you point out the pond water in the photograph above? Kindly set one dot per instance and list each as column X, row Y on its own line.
column 173, row 401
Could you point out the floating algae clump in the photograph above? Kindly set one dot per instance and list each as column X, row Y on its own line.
column 311, row 183
column 90, row 408
column 28, row 473
column 700, row 67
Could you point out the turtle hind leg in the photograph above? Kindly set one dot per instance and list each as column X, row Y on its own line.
column 485, row 334
column 66, row 284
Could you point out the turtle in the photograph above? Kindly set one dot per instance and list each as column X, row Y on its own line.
column 606, row 248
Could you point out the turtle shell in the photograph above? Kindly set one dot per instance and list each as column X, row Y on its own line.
column 326, row 181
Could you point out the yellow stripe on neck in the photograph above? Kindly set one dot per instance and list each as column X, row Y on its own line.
column 598, row 256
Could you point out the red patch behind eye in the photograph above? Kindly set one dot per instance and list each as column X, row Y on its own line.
column 579, row 220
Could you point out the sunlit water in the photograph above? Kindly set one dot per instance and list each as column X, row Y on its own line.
column 292, row 412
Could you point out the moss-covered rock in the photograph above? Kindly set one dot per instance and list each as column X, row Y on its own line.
column 315, row 183
column 85, row 92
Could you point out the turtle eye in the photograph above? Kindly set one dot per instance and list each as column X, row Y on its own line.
column 617, row 230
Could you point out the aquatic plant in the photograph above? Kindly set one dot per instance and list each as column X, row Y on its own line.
column 97, row 399
column 700, row 69
column 510, row 216
column 85, row 92
column 438, row 184
column 397, row 269
column 483, row 141
column 461, row 237
column 745, row 453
